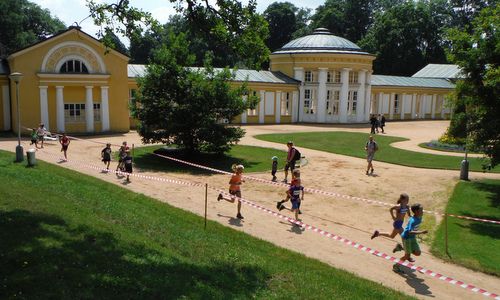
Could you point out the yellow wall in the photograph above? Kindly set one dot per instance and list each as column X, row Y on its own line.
column 29, row 63
column 3, row 81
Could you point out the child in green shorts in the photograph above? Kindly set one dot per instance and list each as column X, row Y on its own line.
column 410, row 233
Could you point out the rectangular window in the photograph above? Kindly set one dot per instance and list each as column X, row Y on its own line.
column 329, row 77
column 396, row 103
column 97, row 112
column 308, row 102
column 285, row 104
column 353, row 77
column 337, row 77
column 352, row 102
column 308, row 76
column 74, row 112
column 253, row 112
column 332, row 102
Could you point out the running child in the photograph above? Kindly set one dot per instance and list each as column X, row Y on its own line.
column 34, row 138
column 235, row 188
column 274, row 168
column 296, row 195
column 64, row 141
column 106, row 155
column 40, row 133
column 398, row 213
column 121, row 155
column 127, row 162
column 410, row 233
column 295, row 179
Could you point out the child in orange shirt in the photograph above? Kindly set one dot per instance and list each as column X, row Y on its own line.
column 234, row 188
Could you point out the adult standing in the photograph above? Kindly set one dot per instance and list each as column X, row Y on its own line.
column 382, row 122
column 371, row 147
column 292, row 157
column 40, row 132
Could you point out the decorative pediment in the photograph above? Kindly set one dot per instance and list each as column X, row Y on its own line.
column 63, row 52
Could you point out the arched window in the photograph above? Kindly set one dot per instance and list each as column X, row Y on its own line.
column 74, row 66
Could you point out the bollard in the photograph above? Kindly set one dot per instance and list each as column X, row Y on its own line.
column 30, row 154
column 464, row 170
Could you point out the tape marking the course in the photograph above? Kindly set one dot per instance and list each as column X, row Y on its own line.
column 312, row 228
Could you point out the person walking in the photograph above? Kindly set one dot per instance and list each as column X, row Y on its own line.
column 373, row 123
column 292, row 157
column 382, row 122
column 371, row 147
column 40, row 132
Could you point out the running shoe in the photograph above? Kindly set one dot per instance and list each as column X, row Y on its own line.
column 375, row 234
column 398, row 247
column 279, row 204
column 219, row 197
column 239, row 216
column 282, row 207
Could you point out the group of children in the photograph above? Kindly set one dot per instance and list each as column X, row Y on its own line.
column 410, row 232
column 124, row 159
column 38, row 135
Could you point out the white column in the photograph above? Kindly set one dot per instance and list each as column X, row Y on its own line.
column 295, row 106
column 321, row 107
column 105, row 108
column 298, row 74
column 442, row 108
column 433, row 106
column 277, row 111
column 360, row 109
column 344, row 94
column 423, row 106
column 89, row 109
column 402, row 106
column 6, row 107
column 44, row 106
column 60, row 108
column 368, row 97
column 413, row 106
column 380, row 103
column 262, row 105
column 244, row 114
column 391, row 105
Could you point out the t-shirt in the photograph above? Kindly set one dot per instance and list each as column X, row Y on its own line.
column 371, row 146
column 291, row 154
column 275, row 165
column 295, row 192
column 65, row 141
column 235, row 182
column 34, row 135
column 413, row 225
column 106, row 153
column 128, row 160
column 40, row 131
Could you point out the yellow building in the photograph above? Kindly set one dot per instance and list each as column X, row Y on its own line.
column 72, row 83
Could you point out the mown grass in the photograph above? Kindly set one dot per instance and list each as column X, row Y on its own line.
column 352, row 144
column 255, row 159
column 470, row 243
column 67, row 235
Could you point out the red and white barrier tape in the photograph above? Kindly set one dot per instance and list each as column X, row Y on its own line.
column 311, row 190
column 310, row 227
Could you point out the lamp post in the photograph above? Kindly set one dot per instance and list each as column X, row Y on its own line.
column 16, row 77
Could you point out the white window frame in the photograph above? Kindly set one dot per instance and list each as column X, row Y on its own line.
column 78, row 112
column 332, row 102
column 396, row 104
column 309, row 107
column 353, row 77
column 352, row 103
column 253, row 112
column 97, row 112
column 308, row 76
column 285, row 104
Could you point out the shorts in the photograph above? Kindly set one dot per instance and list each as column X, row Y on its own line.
column 411, row 245
column 290, row 165
column 398, row 224
column 40, row 137
column 106, row 159
column 235, row 193
column 64, row 148
column 295, row 204
column 34, row 141
column 128, row 168
column 369, row 157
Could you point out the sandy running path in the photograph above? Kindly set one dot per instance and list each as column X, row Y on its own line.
column 346, row 218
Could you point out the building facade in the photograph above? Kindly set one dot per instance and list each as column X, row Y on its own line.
column 72, row 83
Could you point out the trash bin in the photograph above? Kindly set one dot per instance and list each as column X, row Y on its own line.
column 464, row 170
column 31, row 157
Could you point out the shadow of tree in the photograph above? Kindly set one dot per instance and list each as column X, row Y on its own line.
column 494, row 191
column 44, row 257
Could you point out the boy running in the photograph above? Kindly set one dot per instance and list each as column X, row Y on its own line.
column 34, row 138
column 106, row 155
column 296, row 195
column 127, row 162
column 410, row 233
column 40, row 133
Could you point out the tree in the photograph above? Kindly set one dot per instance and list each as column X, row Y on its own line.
column 24, row 23
column 185, row 106
column 477, row 51
column 235, row 33
column 111, row 39
column 408, row 36
column 284, row 20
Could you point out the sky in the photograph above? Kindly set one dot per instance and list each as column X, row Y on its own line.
column 71, row 11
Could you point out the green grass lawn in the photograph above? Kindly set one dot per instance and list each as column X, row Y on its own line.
column 68, row 235
column 352, row 144
column 472, row 244
column 255, row 159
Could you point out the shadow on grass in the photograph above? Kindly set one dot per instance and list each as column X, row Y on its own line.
column 493, row 189
column 43, row 257
column 151, row 162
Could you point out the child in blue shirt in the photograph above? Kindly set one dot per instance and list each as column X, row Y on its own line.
column 296, row 195
column 410, row 233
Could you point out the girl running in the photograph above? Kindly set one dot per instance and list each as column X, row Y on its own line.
column 235, row 188
column 64, row 145
column 398, row 213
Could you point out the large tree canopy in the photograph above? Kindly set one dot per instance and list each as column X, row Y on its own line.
column 23, row 23
column 477, row 51
column 188, row 107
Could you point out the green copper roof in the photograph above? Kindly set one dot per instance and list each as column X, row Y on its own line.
column 385, row 80
column 321, row 40
column 439, row 71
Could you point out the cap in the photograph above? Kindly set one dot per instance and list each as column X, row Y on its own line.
column 274, row 158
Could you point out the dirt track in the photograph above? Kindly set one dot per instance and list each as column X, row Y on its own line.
column 347, row 218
